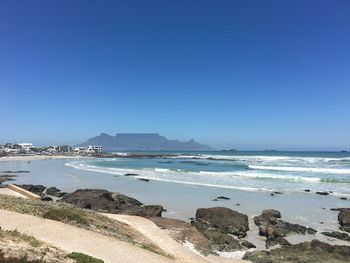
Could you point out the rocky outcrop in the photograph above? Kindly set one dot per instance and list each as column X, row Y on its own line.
column 53, row 191
column 344, row 219
column 275, row 230
column 306, row 252
column 108, row 202
column 223, row 227
column 338, row 235
column 6, row 178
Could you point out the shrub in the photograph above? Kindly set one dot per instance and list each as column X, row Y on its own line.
column 83, row 258
column 65, row 215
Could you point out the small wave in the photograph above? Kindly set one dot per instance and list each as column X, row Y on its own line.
column 261, row 158
column 301, row 169
column 251, row 189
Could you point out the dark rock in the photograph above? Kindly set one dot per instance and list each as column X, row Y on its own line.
column 54, row 192
column 343, row 198
column 223, row 198
column 338, row 235
column 306, row 252
column 272, row 194
column 344, row 219
column 277, row 193
column 311, row 231
column 322, row 193
column 238, row 204
column 105, row 201
column 131, row 174
column 15, row 172
column 220, row 225
column 215, row 199
column 307, row 190
column 143, row 179
column 6, row 178
column 275, row 229
column 46, row 198
column 271, row 213
column 36, row 189
column 247, row 244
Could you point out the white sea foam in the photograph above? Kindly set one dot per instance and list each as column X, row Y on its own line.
column 261, row 158
column 301, row 169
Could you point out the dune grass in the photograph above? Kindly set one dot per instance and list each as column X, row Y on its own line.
column 83, row 218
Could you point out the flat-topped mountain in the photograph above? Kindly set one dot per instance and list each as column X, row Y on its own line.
column 142, row 141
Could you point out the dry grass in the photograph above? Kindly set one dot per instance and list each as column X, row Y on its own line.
column 82, row 218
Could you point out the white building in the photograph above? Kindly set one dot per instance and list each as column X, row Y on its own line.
column 26, row 146
column 79, row 149
column 94, row 149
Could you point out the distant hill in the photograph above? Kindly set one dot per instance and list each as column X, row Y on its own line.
column 142, row 141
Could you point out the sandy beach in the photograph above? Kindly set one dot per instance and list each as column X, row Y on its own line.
column 40, row 157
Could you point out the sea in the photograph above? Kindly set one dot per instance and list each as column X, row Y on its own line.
column 252, row 180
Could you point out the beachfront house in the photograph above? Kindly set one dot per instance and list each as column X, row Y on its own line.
column 94, row 149
column 26, row 147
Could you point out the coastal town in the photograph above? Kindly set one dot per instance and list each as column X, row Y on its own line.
column 19, row 149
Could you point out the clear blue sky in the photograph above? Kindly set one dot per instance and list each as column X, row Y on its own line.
column 244, row 74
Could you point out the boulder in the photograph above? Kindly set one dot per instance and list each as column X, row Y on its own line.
column 306, row 252
column 322, row 193
column 338, row 235
column 223, row 219
column 275, row 229
column 53, row 191
column 344, row 219
column 223, row 227
column 108, row 202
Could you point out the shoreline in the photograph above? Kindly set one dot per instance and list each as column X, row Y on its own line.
column 41, row 157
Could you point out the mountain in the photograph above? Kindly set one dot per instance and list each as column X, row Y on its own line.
column 142, row 141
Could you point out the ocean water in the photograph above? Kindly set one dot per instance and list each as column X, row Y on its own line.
column 249, row 171
column 191, row 180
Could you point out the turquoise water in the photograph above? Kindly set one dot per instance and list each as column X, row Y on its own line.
column 249, row 171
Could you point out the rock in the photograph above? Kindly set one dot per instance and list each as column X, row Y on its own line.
column 54, row 192
column 183, row 231
column 131, row 174
column 306, row 252
column 143, row 179
column 15, row 172
column 338, row 235
column 322, row 193
column 36, row 189
column 215, row 199
column 275, row 229
column 105, row 201
column 223, row 219
column 247, row 244
column 277, row 193
column 46, row 198
column 271, row 213
column 343, row 198
column 344, row 219
column 7, row 177
column 272, row 194
column 307, row 190
column 223, row 198
column 220, row 225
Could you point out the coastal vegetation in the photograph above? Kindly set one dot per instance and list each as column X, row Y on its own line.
column 83, row 258
column 83, row 218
